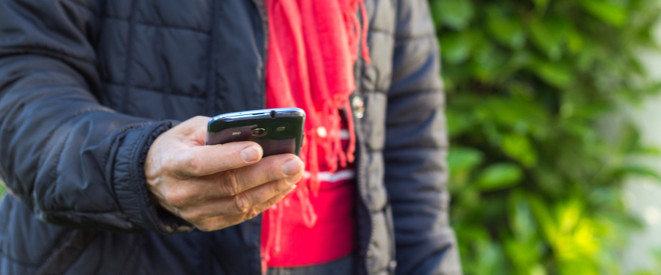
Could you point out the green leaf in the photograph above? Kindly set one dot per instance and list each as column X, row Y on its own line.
column 537, row 269
column 520, row 148
column 505, row 28
column 487, row 61
column 568, row 215
column 556, row 74
column 455, row 47
column 523, row 254
column 575, row 42
column 543, row 217
column 548, row 35
column 606, row 11
column 458, row 123
column 641, row 171
column 648, row 150
column 540, row 5
column 463, row 159
column 499, row 176
column 455, row 14
column 520, row 217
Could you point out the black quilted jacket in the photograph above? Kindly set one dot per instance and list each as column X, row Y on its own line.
column 86, row 86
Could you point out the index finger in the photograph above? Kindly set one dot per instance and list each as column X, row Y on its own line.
column 205, row 160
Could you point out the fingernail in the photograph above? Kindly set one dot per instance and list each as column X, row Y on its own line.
column 292, row 167
column 250, row 154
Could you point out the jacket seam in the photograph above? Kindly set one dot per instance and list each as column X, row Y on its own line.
column 139, row 87
column 71, row 249
column 365, row 229
column 112, row 17
column 375, row 91
column 81, row 5
column 263, row 15
column 398, row 148
column 129, row 56
column 418, row 91
column 397, row 36
column 4, row 254
column 409, row 37
column 44, row 52
column 370, row 150
column 378, row 30
column 211, row 91
column 58, row 211
column 159, row 25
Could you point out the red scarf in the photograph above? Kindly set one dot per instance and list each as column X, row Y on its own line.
column 312, row 47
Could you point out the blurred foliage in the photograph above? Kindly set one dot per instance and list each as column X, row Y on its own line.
column 657, row 257
column 537, row 160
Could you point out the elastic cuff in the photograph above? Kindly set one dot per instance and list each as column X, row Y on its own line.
column 131, row 186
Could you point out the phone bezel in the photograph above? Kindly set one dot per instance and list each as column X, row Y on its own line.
column 293, row 119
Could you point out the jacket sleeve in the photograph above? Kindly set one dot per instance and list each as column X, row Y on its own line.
column 415, row 151
column 69, row 159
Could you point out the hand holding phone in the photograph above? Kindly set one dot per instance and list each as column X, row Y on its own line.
column 214, row 187
column 278, row 131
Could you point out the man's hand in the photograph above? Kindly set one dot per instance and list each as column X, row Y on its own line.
column 216, row 186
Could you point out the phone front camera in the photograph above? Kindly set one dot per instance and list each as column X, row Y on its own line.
column 258, row 132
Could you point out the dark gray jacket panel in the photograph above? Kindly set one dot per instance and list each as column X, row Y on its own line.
column 87, row 85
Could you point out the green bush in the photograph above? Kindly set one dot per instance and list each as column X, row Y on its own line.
column 537, row 165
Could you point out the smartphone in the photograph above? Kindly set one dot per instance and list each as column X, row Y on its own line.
column 278, row 130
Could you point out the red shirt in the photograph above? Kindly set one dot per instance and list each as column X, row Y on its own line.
column 330, row 238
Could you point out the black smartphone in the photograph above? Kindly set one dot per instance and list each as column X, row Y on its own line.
column 278, row 130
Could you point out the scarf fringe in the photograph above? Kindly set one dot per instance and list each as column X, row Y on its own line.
column 326, row 88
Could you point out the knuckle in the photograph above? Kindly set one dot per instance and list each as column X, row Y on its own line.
column 280, row 186
column 206, row 227
column 193, row 165
column 209, row 224
column 241, row 203
column 215, row 223
column 200, row 118
column 190, row 216
column 273, row 201
column 251, row 213
column 232, row 183
column 178, row 198
column 168, row 166
column 192, row 122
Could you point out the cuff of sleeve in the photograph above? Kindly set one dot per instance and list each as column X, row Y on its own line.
column 131, row 186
